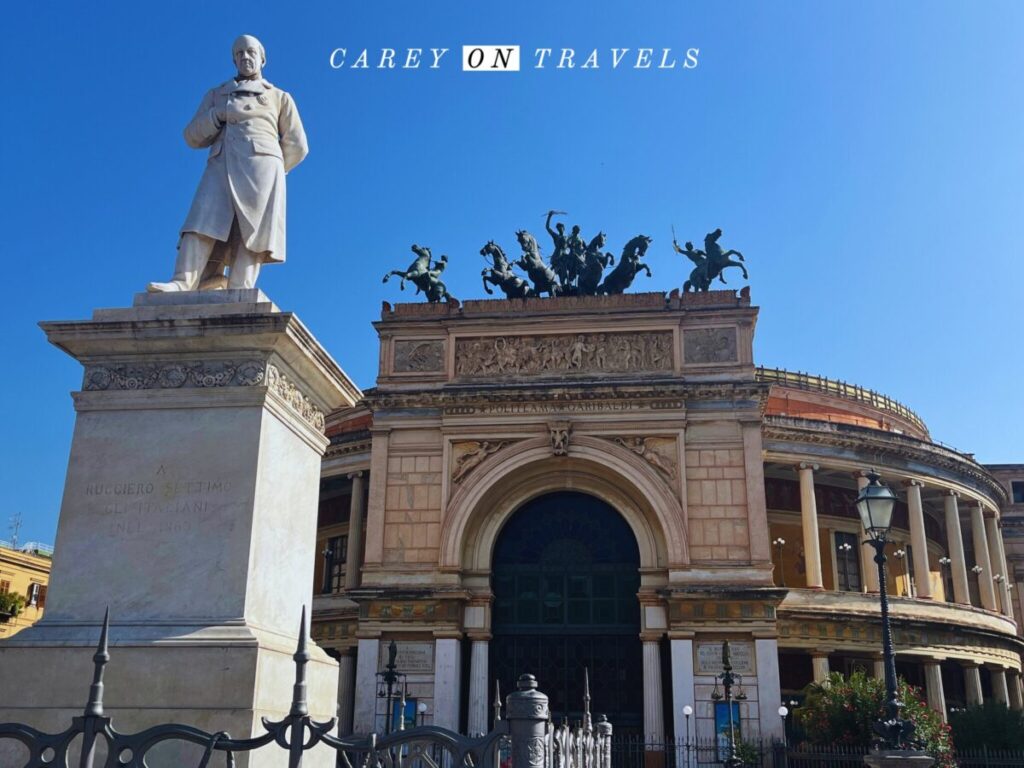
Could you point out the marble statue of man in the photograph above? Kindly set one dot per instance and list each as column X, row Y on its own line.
column 237, row 217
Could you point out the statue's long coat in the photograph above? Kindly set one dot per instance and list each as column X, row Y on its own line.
column 249, row 155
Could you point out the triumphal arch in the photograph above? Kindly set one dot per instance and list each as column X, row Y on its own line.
column 557, row 484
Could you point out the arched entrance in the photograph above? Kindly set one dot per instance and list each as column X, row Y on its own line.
column 565, row 575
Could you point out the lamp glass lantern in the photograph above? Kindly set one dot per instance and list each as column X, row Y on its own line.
column 875, row 505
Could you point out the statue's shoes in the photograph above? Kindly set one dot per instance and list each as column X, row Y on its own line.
column 164, row 287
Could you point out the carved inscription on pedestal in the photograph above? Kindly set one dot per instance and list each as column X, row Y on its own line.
column 575, row 353
column 709, row 345
column 419, row 356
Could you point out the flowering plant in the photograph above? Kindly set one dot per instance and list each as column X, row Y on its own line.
column 844, row 711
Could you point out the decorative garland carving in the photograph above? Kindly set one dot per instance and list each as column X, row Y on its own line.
column 564, row 353
column 419, row 356
column 279, row 384
column 659, row 452
column 203, row 374
column 206, row 373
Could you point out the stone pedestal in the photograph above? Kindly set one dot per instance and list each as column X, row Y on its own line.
column 898, row 758
column 189, row 509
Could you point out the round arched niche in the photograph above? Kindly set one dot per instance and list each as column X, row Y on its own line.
column 526, row 470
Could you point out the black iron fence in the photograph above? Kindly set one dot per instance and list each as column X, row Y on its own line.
column 525, row 739
column 637, row 752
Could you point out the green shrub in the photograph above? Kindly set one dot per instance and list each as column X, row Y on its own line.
column 11, row 603
column 844, row 711
column 990, row 725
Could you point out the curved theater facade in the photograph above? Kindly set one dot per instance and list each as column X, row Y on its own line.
column 610, row 484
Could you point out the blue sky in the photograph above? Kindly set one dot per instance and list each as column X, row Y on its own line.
column 866, row 157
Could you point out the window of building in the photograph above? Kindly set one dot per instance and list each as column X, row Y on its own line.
column 1017, row 487
column 33, row 594
column 5, row 586
column 848, row 561
column 334, row 565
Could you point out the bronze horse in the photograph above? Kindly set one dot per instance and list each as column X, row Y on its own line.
column 541, row 275
column 594, row 263
column 425, row 277
column 620, row 278
column 501, row 274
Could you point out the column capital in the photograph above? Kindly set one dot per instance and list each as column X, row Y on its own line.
column 652, row 636
column 808, row 465
column 910, row 482
column 951, row 492
column 354, row 475
column 478, row 636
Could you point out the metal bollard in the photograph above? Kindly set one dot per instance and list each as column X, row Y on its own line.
column 527, row 716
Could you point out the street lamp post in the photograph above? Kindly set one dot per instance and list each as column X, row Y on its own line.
column 687, row 711
column 387, row 681
column 875, row 505
column 729, row 679
column 779, row 543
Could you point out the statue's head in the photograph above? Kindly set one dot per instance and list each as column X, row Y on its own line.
column 576, row 229
column 560, row 227
column 689, row 245
column 249, row 56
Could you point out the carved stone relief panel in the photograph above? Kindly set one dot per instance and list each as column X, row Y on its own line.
column 709, row 345
column 562, row 354
column 419, row 355
column 659, row 452
column 467, row 455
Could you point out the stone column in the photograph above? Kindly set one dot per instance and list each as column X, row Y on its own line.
column 972, row 684
column 654, row 723
column 1000, row 690
column 1004, row 567
column 364, row 709
column 1019, row 593
column 878, row 667
column 769, row 690
column 1013, row 682
column 353, row 556
column 682, row 682
column 998, row 567
column 868, row 566
column 477, row 715
column 933, row 686
column 373, row 553
column 447, row 682
column 809, row 520
column 346, row 691
column 986, row 587
column 819, row 664
column 918, row 539
column 955, row 542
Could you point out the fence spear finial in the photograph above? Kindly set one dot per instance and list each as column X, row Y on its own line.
column 299, row 705
column 497, row 701
column 94, row 707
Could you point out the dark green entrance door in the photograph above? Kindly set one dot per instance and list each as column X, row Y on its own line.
column 565, row 576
